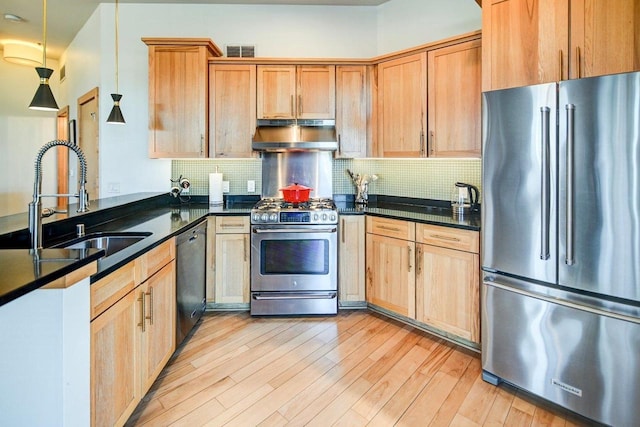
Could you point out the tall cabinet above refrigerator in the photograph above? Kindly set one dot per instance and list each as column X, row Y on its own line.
column 561, row 243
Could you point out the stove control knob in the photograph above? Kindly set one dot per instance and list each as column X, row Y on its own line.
column 324, row 216
column 315, row 217
column 264, row 217
column 332, row 217
column 256, row 217
column 273, row 217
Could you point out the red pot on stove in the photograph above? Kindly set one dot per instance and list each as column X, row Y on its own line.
column 296, row 193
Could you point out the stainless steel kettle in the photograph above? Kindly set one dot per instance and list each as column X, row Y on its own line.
column 464, row 199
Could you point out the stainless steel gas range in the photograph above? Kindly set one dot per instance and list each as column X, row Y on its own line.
column 294, row 257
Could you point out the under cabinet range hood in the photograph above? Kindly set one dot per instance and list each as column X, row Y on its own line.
column 295, row 135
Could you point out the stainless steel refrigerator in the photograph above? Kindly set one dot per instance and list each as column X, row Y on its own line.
column 561, row 243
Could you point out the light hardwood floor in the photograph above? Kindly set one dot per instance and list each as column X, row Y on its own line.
column 355, row 369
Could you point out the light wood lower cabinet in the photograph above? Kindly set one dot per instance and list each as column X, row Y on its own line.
column 351, row 261
column 391, row 265
column 232, row 260
column 132, row 335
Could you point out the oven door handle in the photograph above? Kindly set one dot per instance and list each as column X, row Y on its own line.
column 295, row 230
column 293, row 295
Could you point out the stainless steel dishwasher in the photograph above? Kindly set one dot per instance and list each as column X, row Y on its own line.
column 191, row 267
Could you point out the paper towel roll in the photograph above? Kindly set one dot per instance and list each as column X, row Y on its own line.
column 215, row 189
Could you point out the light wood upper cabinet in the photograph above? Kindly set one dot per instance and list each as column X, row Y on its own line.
column 351, row 111
column 178, row 96
column 454, row 95
column 402, row 106
column 351, row 259
column 289, row 92
column 232, row 109
column 528, row 42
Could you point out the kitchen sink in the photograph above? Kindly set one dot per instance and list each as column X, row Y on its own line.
column 110, row 242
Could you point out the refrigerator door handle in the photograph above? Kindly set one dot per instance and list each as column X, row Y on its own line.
column 545, row 210
column 569, row 260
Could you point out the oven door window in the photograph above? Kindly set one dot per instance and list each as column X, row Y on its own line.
column 294, row 256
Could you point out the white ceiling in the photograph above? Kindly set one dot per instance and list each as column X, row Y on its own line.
column 66, row 17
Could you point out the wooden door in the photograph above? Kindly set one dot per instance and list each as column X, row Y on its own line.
column 62, row 157
column 402, row 106
column 605, row 37
column 454, row 84
column 232, row 268
column 391, row 274
column 351, row 111
column 524, row 42
column 316, row 92
column 89, row 140
column 351, row 259
column 178, row 101
column 159, row 337
column 447, row 290
column 276, row 90
column 232, row 110
column 114, row 363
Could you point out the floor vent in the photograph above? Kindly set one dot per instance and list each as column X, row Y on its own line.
column 236, row 51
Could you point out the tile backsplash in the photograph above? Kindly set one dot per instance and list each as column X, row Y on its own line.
column 419, row 178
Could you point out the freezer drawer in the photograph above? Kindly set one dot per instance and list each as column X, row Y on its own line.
column 571, row 355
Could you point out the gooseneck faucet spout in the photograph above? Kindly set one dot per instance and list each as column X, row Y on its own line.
column 35, row 207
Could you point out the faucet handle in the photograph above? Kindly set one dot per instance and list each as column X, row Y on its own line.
column 79, row 230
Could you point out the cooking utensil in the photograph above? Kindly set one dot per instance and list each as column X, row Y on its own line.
column 296, row 193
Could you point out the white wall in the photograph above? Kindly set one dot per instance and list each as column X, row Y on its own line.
column 276, row 31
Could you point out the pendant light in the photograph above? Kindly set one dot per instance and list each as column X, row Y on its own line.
column 116, row 113
column 43, row 99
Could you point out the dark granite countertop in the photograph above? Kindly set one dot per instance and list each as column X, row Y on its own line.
column 163, row 217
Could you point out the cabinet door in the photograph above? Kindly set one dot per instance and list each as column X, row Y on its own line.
column 232, row 268
column 454, row 85
column 524, row 42
column 351, row 259
column 316, row 92
column 605, row 37
column 232, row 110
column 447, row 290
column 351, row 111
column 114, row 367
column 178, row 98
column 159, row 335
column 391, row 274
column 211, row 259
column 276, row 90
column 402, row 106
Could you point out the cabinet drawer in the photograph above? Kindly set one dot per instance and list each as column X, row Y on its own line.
column 447, row 237
column 154, row 260
column 106, row 291
column 396, row 228
column 232, row 224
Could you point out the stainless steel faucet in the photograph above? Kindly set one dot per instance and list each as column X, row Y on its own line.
column 35, row 207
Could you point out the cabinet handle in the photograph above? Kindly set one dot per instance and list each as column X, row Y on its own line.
column 578, row 62
column 561, row 62
column 231, row 225
column 441, row 237
column 339, row 145
column 244, row 248
column 342, row 230
column 292, row 110
column 422, row 143
column 419, row 253
column 299, row 105
column 384, row 227
column 202, row 144
column 433, row 142
column 150, row 316
column 142, row 310
column 409, row 258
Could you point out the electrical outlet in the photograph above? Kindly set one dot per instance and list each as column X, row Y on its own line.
column 225, row 186
column 113, row 187
column 251, row 186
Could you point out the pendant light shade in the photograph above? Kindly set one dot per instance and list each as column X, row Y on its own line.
column 43, row 99
column 116, row 113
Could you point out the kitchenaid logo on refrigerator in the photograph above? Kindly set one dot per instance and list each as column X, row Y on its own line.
column 566, row 387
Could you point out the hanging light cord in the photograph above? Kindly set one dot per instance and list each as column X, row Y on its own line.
column 44, row 33
column 116, row 46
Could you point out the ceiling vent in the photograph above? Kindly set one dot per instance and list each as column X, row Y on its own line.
column 237, row 51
